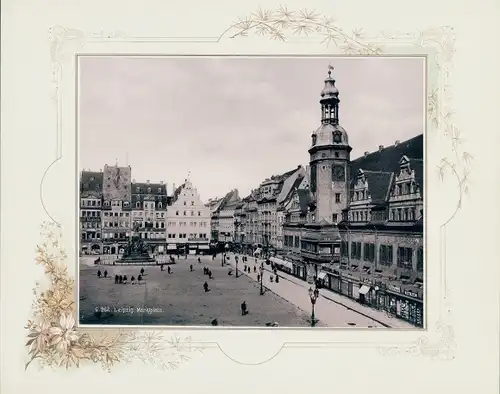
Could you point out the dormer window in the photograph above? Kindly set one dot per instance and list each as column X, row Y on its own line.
column 159, row 190
column 138, row 189
column 149, row 190
column 160, row 205
column 314, row 136
column 137, row 204
column 126, row 204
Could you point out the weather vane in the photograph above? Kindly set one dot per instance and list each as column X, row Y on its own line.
column 330, row 68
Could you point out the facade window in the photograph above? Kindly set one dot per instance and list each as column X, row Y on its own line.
column 192, row 213
column 184, row 213
column 334, row 218
column 137, row 189
column 337, row 197
column 344, row 248
column 93, row 203
column 356, row 250
column 160, row 205
column 369, row 252
column 385, row 255
column 420, row 260
column 177, row 213
column 192, row 202
column 404, row 257
column 185, row 202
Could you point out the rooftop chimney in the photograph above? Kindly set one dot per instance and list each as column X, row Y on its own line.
column 367, row 153
column 147, row 181
column 133, row 180
column 380, row 148
column 161, row 182
column 396, row 143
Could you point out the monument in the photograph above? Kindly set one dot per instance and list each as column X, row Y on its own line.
column 136, row 251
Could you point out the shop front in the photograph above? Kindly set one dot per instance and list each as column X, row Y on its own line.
column 405, row 303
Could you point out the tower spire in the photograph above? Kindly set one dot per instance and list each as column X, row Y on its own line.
column 330, row 100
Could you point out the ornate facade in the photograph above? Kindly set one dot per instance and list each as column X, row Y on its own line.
column 188, row 221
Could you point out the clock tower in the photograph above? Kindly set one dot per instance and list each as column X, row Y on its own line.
column 329, row 159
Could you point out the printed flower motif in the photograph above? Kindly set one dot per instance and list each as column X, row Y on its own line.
column 40, row 338
column 64, row 334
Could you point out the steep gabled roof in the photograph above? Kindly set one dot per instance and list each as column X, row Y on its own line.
column 379, row 184
column 91, row 181
column 388, row 158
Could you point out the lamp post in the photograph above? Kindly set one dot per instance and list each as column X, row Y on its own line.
column 236, row 260
column 313, row 295
column 261, row 270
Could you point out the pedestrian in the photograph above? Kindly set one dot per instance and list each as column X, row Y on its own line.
column 277, row 279
column 116, row 279
column 124, row 278
column 105, row 273
column 215, row 322
column 120, row 279
column 254, row 269
column 191, row 267
column 209, row 274
column 142, row 271
column 244, row 309
column 186, row 256
column 271, row 278
column 161, row 267
column 99, row 274
column 205, row 287
column 132, row 279
column 139, row 278
column 199, row 260
column 169, row 270
column 258, row 277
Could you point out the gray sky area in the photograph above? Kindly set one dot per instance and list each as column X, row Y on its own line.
column 233, row 122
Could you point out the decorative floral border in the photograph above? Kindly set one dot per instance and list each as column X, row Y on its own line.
column 52, row 337
column 54, row 340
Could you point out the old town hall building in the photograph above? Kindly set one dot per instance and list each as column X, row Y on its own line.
column 357, row 229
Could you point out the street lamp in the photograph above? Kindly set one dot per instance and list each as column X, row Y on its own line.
column 236, row 260
column 313, row 295
column 261, row 269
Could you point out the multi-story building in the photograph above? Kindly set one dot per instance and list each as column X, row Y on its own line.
column 90, row 212
column 149, row 213
column 214, row 205
column 116, row 208
column 226, row 217
column 270, row 197
column 359, row 224
column 188, row 222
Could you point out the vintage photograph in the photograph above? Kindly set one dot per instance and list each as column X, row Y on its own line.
column 251, row 191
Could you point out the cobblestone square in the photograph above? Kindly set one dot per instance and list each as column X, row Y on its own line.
column 179, row 298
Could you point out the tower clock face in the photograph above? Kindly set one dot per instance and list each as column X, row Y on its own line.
column 338, row 173
column 337, row 137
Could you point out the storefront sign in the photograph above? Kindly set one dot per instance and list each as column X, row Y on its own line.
column 394, row 288
column 411, row 293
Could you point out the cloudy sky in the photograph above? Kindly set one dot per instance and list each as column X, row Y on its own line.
column 232, row 122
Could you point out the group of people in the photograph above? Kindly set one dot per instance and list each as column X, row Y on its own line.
column 207, row 271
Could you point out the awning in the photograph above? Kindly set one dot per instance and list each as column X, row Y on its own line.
column 284, row 263
column 364, row 289
column 170, row 247
column 322, row 275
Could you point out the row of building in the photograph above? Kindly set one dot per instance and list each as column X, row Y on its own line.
column 353, row 226
column 113, row 206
